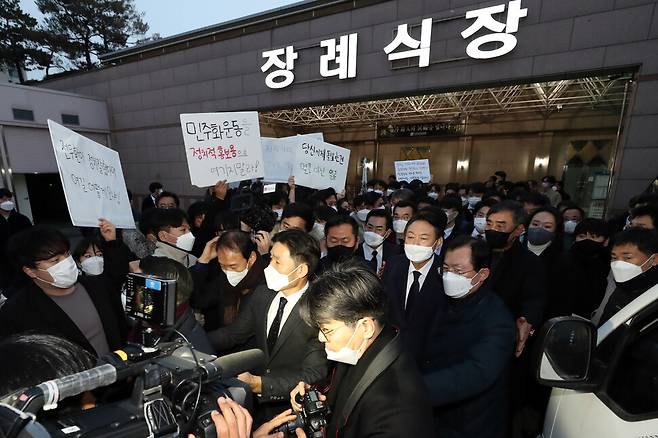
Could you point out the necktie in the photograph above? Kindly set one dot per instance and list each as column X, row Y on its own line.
column 273, row 335
column 373, row 261
column 414, row 290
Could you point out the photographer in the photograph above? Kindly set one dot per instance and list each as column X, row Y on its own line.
column 376, row 389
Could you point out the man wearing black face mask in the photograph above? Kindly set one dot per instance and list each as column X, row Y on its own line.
column 342, row 237
column 582, row 273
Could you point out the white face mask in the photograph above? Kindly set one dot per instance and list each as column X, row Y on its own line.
column 464, row 201
column 389, row 192
column 275, row 280
column 379, row 192
column 399, row 225
column 373, row 240
column 318, row 231
column 624, row 271
column 451, row 215
column 279, row 212
column 362, row 215
column 7, row 206
column 185, row 242
column 473, row 200
column 64, row 273
column 433, row 195
column 480, row 223
column 93, row 265
column 235, row 277
column 417, row 253
column 457, row 286
column 345, row 354
column 570, row 226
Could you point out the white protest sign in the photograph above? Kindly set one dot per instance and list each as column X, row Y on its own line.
column 92, row 179
column 279, row 154
column 413, row 169
column 222, row 146
column 320, row 165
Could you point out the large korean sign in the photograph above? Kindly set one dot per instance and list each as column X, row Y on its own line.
column 222, row 146
column 496, row 38
column 410, row 170
column 320, row 165
column 279, row 155
column 92, row 179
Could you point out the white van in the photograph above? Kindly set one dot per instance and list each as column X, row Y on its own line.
column 605, row 381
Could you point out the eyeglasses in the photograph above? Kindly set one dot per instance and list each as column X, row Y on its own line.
column 327, row 333
column 454, row 271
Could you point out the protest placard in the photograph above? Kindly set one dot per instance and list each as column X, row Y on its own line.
column 320, row 165
column 279, row 154
column 222, row 146
column 410, row 170
column 92, row 179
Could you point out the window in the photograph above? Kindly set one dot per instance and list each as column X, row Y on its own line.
column 23, row 114
column 634, row 383
column 70, row 119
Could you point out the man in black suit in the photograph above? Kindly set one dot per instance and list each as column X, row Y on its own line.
column 11, row 223
column 376, row 250
column 85, row 310
column 155, row 188
column 272, row 319
column 376, row 389
column 342, row 238
column 412, row 280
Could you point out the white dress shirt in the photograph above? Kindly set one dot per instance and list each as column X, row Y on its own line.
column 367, row 254
column 423, row 275
column 274, row 307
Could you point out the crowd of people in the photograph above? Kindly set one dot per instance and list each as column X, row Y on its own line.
column 411, row 307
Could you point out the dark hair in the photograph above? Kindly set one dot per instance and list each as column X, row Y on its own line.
column 403, row 195
column 342, row 220
column 237, row 240
column 5, row 193
column 169, row 269
column 197, row 209
column 170, row 195
column 82, row 247
column 646, row 198
column 371, row 198
column 432, row 215
column 302, row 247
column 406, row 204
column 535, row 198
column 549, row 178
column 36, row 243
column 451, row 203
column 300, row 210
column 501, row 173
column 480, row 254
column 164, row 219
column 154, row 186
column 345, row 293
column 324, row 212
column 489, row 202
column 381, row 213
column 259, row 218
column 646, row 210
column 477, row 187
column 32, row 359
column 597, row 227
column 427, row 200
column 645, row 240
column 574, row 207
column 224, row 221
column 147, row 220
column 559, row 225
column 518, row 214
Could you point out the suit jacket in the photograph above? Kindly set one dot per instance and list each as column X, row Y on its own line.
column 519, row 277
column 466, row 366
column 390, row 251
column 14, row 224
column 31, row 310
column 394, row 405
column 431, row 301
column 147, row 203
column 297, row 356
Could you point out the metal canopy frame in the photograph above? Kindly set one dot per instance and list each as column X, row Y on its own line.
column 603, row 93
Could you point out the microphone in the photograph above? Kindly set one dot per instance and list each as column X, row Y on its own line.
column 74, row 384
column 237, row 363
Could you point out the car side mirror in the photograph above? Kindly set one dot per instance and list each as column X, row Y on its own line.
column 565, row 350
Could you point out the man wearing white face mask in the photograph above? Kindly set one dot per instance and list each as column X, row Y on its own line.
column 220, row 297
column 403, row 211
column 633, row 266
column 375, row 250
column 11, row 223
column 175, row 240
column 270, row 321
column 412, row 281
column 467, row 356
column 376, row 389
column 85, row 310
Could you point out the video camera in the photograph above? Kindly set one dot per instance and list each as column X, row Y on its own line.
column 175, row 390
column 174, row 387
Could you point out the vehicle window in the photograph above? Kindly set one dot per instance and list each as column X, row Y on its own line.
column 634, row 383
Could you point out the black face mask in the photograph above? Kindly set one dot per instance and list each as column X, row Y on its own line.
column 496, row 239
column 588, row 248
column 340, row 252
